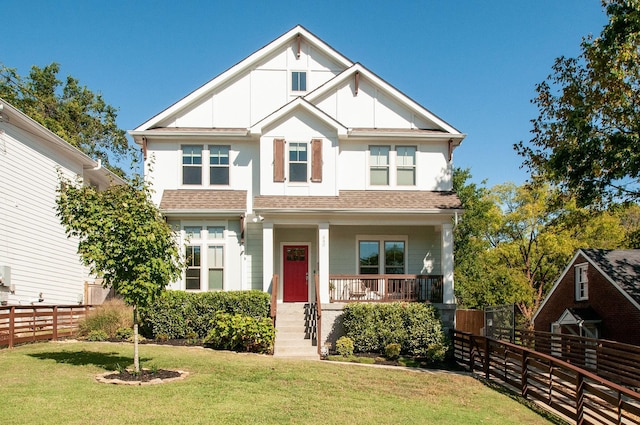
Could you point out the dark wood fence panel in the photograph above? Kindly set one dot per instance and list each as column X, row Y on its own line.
column 576, row 393
column 471, row 321
column 20, row 324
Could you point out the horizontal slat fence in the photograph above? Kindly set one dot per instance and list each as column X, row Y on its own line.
column 20, row 324
column 613, row 360
column 576, row 393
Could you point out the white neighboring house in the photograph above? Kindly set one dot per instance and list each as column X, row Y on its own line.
column 297, row 162
column 38, row 263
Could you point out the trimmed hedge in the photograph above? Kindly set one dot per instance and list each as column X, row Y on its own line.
column 416, row 327
column 179, row 314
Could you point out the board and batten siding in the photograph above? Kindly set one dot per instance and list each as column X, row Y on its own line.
column 253, row 256
column 32, row 240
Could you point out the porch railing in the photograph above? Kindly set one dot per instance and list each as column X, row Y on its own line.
column 385, row 288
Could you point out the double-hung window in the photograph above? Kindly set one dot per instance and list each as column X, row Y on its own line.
column 215, row 258
column 191, row 164
column 298, row 81
column 406, row 165
column 581, row 282
column 379, row 165
column 369, row 252
column 193, row 267
column 297, row 162
column 219, row 165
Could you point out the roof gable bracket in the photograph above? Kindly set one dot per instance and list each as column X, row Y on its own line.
column 357, row 77
column 299, row 46
column 450, row 149
column 144, row 147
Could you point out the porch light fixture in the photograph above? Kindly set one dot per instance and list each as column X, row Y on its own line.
column 258, row 218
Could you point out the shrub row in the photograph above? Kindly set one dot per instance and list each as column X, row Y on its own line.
column 179, row 314
column 241, row 333
column 416, row 327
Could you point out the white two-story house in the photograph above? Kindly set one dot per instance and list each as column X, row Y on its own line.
column 297, row 165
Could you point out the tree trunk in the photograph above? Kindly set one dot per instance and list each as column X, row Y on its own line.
column 136, row 357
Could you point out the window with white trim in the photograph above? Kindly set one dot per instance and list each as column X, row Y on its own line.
column 581, row 282
column 298, row 163
column 406, row 165
column 392, row 165
column 382, row 254
column 215, row 263
column 379, row 165
column 204, row 256
column 192, row 274
column 192, row 164
column 298, row 81
column 219, row 165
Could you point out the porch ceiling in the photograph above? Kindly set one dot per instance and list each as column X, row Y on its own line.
column 204, row 200
column 361, row 200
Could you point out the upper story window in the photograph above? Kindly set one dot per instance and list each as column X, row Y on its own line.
column 392, row 165
column 379, row 165
column 581, row 282
column 192, row 232
column 215, row 232
column 298, row 81
column 406, row 165
column 192, row 164
column 219, row 165
column 297, row 162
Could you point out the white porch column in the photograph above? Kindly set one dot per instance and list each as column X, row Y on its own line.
column 447, row 264
column 323, row 261
column 267, row 256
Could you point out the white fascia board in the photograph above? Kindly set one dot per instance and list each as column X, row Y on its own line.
column 188, row 132
column 290, row 108
column 388, row 88
column 19, row 119
column 243, row 65
column 368, row 134
column 557, row 282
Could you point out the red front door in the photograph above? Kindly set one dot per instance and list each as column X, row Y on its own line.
column 296, row 266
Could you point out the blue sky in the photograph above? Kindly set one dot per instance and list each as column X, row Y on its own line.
column 473, row 63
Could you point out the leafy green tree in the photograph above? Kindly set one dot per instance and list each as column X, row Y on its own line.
column 513, row 241
column 123, row 239
column 70, row 110
column 587, row 134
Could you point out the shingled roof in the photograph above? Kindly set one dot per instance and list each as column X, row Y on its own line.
column 358, row 200
column 621, row 266
column 204, row 199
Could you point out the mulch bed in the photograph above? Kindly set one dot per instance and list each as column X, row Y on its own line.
column 145, row 375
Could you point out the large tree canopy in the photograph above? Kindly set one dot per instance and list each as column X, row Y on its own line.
column 123, row 239
column 70, row 110
column 513, row 241
column 587, row 134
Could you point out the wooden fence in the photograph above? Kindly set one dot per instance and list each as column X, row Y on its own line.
column 20, row 324
column 576, row 393
column 471, row 321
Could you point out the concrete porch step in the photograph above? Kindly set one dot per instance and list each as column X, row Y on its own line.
column 292, row 326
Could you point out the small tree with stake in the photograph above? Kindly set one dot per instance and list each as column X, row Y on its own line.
column 123, row 238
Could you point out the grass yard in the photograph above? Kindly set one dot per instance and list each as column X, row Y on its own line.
column 53, row 383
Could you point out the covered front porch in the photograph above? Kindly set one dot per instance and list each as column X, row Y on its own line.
column 358, row 263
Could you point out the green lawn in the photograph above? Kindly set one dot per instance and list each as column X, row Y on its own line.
column 53, row 383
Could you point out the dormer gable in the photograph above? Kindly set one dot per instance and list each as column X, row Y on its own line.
column 379, row 104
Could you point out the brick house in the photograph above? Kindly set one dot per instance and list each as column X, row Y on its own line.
column 597, row 296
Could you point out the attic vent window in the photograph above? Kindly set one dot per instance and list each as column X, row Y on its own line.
column 581, row 282
column 299, row 81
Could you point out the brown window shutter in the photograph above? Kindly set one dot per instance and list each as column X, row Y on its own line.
column 278, row 160
column 316, row 160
